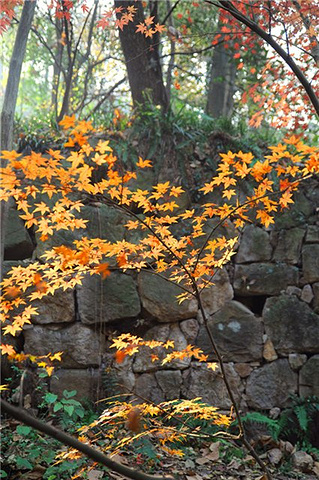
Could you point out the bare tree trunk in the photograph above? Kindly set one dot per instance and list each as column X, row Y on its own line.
column 69, row 74
column 12, row 87
column 57, row 67
column 11, row 94
column 172, row 57
column 142, row 58
column 221, row 89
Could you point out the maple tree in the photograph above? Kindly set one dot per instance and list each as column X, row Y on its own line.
column 290, row 28
column 190, row 260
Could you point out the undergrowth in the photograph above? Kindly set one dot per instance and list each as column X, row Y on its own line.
column 298, row 423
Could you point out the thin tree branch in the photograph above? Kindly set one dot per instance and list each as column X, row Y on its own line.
column 66, row 439
column 111, row 90
column 169, row 13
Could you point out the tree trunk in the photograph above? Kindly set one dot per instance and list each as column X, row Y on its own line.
column 221, row 90
column 11, row 94
column 12, row 87
column 57, row 67
column 142, row 59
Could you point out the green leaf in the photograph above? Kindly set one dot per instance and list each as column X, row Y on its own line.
column 57, row 406
column 69, row 409
column 50, row 397
column 23, row 463
column 3, row 474
column 23, row 430
column 79, row 412
column 69, row 393
column 71, row 402
column 35, row 452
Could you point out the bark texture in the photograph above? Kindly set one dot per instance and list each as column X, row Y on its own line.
column 220, row 98
column 142, row 59
column 11, row 94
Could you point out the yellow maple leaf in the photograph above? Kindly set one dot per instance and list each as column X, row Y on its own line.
column 143, row 163
column 49, row 370
column 56, row 356
column 212, row 366
column 12, row 329
column 103, row 147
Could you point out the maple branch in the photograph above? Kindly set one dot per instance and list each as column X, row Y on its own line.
column 105, row 96
column 169, row 13
column 242, row 434
column 229, row 7
column 49, row 49
column 197, row 294
column 153, row 272
column 96, row 455
column 140, row 220
column 244, row 204
column 227, row 435
column 307, row 23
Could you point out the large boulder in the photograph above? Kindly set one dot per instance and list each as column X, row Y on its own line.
column 310, row 262
column 254, row 246
column 108, row 223
column 309, row 377
column 199, row 381
column 103, row 222
column 119, row 378
column 143, row 361
column 107, row 300
column 190, row 329
column 170, row 382
column 288, row 245
column 270, row 385
column 81, row 346
column 158, row 298
column 58, row 308
column 291, row 325
column 147, row 389
column 312, row 235
column 237, row 332
column 264, row 278
column 17, row 241
column 60, row 237
column 298, row 215
column 87, row 383
column 315, row 289
column 214, row 297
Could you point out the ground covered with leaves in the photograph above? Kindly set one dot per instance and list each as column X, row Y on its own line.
column 27, row 455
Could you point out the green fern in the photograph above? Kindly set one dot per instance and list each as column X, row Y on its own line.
column 257, row 417
column 303, row 417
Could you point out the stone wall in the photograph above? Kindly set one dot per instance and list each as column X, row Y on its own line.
column 263, row 313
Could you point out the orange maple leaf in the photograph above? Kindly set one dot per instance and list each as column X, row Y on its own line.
column 7, row 349
column 120, row 356
column 12, row 291
column 103, row 269
column 134, row 420
column 67, row 122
